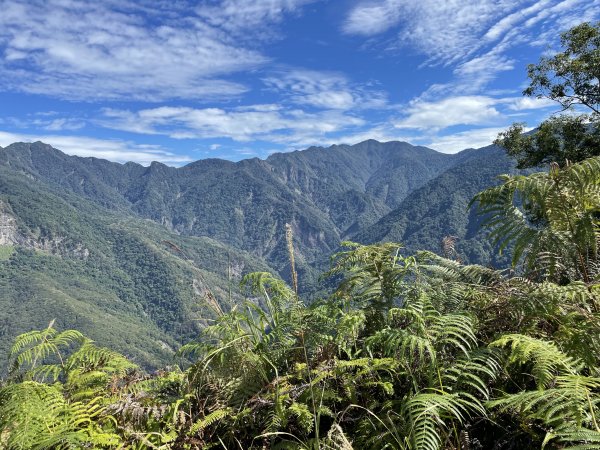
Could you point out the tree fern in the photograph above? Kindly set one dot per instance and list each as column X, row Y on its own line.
column 549, row 218
column 429, row 413
column 566, row 403
column 567, row 409
column 35, row 347
column 372, row 272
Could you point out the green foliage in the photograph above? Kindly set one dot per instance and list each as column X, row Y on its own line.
column 127, row 283
column 439, row 209
column 559, row 139
column 373, row 273
column 569, row 78
column 57, row 394
column 565, row 403
column 545, row 358
column 273, row 372
column 550, row 218
column 88, row 256
column 37, row 416
column 324, row 194
column 6, row 251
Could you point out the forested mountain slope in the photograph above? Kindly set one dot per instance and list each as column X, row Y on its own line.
column 128, row 253
column 440, row 208
column 326, row 194
column 128, row 282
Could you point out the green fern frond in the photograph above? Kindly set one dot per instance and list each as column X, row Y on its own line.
column 567, row 409
column 210, row 420
column 583, row 439
column 546, row 358
column 428, row 414
column 36, row 347
column 37, row 416
column 548, row 218
column 472, row 374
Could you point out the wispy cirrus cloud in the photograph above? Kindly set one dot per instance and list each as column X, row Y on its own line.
column 324, row 90
column 471, row 36
column 446, row 31
column 218, row 71
column 152, row 51
column 475, row 41
column 111, row 149
column 246, row 19
column 451, row 32
column 48, row 122
column 269, row 122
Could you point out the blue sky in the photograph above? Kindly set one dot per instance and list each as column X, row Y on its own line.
column 176, row 81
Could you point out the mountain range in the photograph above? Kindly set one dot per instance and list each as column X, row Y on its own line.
column 139, row 257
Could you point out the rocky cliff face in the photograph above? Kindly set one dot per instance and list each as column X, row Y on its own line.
column 9, row 233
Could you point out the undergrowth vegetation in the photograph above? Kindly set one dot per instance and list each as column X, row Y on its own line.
column 410, row 352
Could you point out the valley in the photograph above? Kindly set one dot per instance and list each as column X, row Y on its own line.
column 131, row 254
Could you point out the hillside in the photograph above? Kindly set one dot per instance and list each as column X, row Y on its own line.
column 128, row 282
column 440, row 208
column 128, row 253
column 326, row 194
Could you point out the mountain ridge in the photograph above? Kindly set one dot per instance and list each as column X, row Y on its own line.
column 315, row 190
column 162, row 240
column 424, row 219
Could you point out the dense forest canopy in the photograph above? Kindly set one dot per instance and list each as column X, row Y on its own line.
column 412, row 350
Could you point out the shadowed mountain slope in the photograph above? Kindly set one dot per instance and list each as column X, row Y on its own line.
column 440, row 208
column 326, row 194
column 129, row 254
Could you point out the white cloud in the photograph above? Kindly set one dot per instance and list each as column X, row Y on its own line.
column 479, row 64
column 466, row 110
column 447, row 31
column 473, row 36
column 373, row 18
column 528, row 103
column 63, row 124
column 470, row 77
column 82, row 50
column 113, row 150
column 461, row 110
column 566, row 14
column 324, row 90
column 44, row 121
column 453, row 143
column 261, row 122
column 473, row 75
column 239, row 16
column 511, row 21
